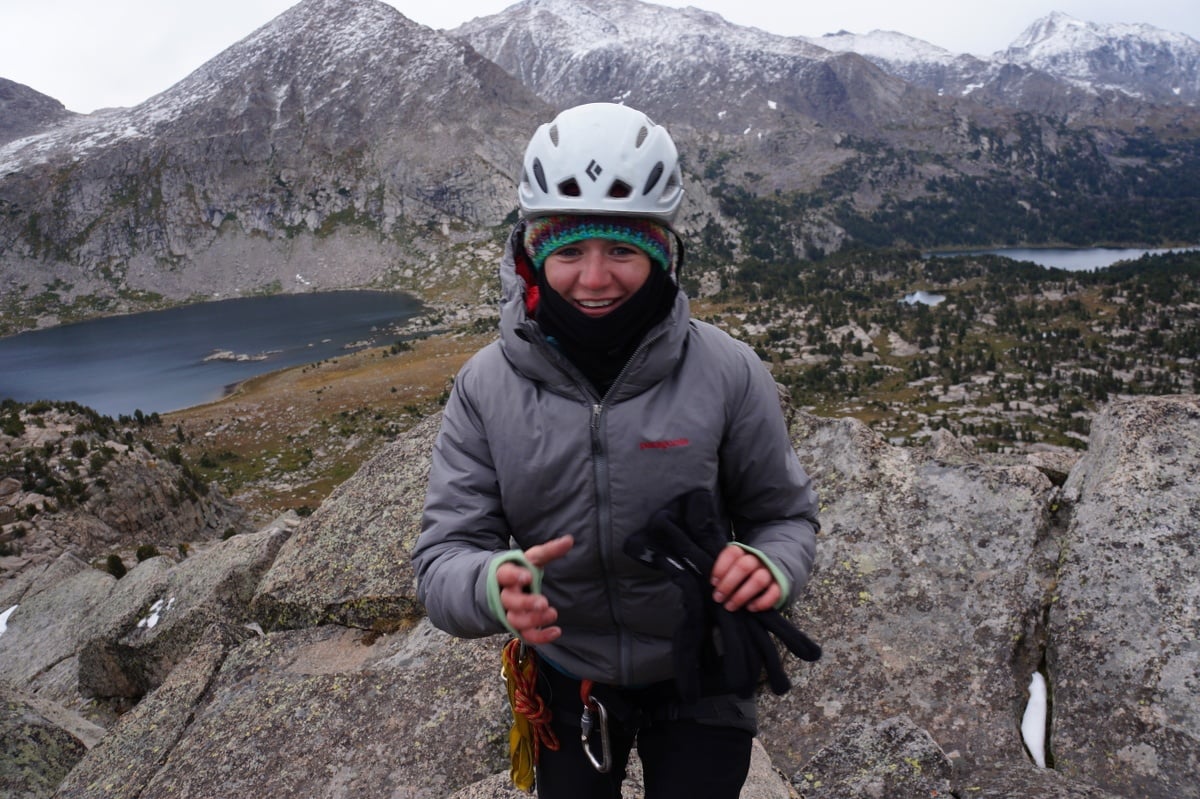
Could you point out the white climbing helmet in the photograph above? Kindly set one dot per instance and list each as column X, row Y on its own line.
column 601, row 158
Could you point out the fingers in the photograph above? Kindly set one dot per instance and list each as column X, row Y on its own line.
column 514, row 574
column 531, row 615
column 725, row 560
column 767, row 599
column 740, row 580
column 550, row 551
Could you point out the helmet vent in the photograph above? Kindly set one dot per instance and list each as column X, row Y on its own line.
column 655, row 174
column 554, row 135
column 643, row 132
column 619, row 190
column 540, row 174
column 569, row 188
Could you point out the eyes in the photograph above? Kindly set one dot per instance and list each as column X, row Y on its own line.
column 612, row 249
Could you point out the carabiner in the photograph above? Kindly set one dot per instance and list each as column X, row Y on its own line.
column 512, row 661
column 586, row 723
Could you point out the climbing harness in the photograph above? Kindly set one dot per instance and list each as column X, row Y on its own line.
column 594, row 718
column 531, row 717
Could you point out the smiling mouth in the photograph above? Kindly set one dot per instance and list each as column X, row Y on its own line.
column 596, row 304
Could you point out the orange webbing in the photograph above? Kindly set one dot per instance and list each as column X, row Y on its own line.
column 585, row 693
column 526, row 700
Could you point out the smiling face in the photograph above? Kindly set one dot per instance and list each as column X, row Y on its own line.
column 596, row 276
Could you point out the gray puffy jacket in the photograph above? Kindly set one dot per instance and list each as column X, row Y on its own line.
column 528, row 452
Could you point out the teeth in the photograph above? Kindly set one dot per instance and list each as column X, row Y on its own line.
column 596, row 303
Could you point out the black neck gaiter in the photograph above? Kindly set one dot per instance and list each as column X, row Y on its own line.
column 600, row 347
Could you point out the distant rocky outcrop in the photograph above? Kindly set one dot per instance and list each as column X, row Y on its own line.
column 944, row 580
column 73, row 481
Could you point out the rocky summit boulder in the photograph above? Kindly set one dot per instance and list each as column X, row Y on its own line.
column 348, row 563
column 942, row 585
column 36, row 747
column 137, row 745
column 944, row 580
column 325, row 711
column 44, row 634
column 157, row 612
column 1123, row 648
column 926, row 593
column 87, row 635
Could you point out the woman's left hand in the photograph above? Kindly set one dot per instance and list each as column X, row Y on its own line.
column 741, row 580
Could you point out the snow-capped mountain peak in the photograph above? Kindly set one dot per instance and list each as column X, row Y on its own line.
column 1135, row 59
column 1081, row 58
column 1058, row 34
column 359, row 56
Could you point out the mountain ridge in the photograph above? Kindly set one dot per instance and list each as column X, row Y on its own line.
column 247, row 172
column 346, row 143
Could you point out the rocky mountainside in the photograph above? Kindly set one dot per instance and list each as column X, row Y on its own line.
column 986, row 82
column 819, row 145
column 688, row 66
column 912, row 59
column 344, row 145
column 635, row 52
column 24, row 111
column 321, row 145
column 944, row 580
column 774, row 112
column 73, row 481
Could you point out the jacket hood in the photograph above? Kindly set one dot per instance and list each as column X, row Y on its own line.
column 526, row 348
column 517, row 280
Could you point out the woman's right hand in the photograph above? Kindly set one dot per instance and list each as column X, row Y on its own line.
column 531, row 615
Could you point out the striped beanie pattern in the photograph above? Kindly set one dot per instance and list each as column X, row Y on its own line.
column 546, row 234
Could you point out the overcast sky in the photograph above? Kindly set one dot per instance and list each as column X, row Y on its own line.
column 90, row 54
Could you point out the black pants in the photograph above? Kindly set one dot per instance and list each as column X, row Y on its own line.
column 682, row 758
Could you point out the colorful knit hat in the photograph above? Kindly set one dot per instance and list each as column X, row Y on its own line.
column 546, row 234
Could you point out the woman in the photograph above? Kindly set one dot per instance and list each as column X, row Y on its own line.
column 601, row 402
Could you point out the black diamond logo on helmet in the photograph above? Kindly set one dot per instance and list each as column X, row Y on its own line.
column 593, row 170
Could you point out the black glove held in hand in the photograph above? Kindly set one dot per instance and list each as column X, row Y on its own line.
column 683, row 541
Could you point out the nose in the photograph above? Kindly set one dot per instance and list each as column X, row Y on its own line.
column 593, row 271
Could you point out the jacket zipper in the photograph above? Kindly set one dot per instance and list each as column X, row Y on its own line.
column 605, row 526
column 603, row 499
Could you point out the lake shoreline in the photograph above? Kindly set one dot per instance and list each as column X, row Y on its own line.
column 163, row 361
column 1071, row 259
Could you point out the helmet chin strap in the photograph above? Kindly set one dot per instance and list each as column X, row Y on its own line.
column 677, row 268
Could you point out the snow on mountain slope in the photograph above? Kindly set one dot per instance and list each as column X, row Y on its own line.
column 888, row 46
column 351, row 66
column 912, row 59
column 1137, row 59
column 683, row 63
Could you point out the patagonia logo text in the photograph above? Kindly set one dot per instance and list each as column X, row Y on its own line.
column 675, row 442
